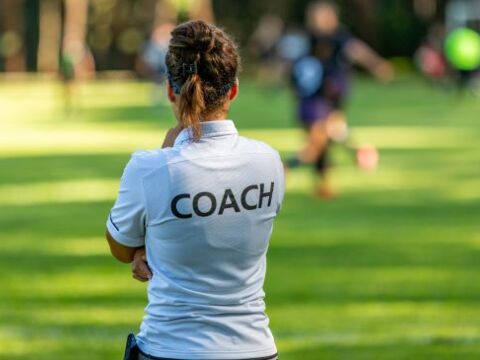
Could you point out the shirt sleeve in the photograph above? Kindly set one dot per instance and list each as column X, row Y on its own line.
column 127, row 219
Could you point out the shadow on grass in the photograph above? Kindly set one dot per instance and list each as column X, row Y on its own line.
column 440, row 349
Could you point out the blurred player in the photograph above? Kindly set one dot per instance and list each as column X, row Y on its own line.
column 429, row 57
column 151, row 62
column 76, row 60
column 321, row 80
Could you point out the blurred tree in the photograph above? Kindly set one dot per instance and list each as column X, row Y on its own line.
column 362, row 15
column 202, row 9
column 393, row 27
column 398, row 30
column 49, row 36
column 117, row 29
column 31, row 16
column 425, row 9
column 74, row 46
column 12, row 35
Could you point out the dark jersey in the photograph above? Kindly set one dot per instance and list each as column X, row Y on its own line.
column 325, row 70
column 330, row 50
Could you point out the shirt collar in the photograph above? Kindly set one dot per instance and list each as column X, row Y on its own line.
column 209, row 129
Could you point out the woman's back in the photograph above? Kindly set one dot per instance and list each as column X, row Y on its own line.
column 203, row 208
column 206, row 243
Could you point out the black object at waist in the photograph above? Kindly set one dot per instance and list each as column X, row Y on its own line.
column 143, row 356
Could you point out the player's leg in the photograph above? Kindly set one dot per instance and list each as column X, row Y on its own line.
column 335, row 131
column 316, row 153
column 323, row 186
column 313, row 114
column 317, row 142
column 337, row 127
column 366, row 155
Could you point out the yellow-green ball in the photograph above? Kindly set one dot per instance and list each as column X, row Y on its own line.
column 462, row 48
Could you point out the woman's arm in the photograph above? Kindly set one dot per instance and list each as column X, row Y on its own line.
column 120, row 252
column 136, row 256
column 133, row 254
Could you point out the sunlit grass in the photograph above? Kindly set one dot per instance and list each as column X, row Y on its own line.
column 105, row 139
column 58, row 192
column 389, row 270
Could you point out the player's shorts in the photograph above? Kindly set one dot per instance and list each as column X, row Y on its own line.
column 311, row 110
column 319, row 107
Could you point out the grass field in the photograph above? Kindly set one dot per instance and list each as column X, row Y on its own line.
column 390, row 270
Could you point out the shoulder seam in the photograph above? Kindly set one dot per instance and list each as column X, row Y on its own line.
column 212, row 157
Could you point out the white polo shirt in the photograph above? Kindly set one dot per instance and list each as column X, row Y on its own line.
column 204, row 210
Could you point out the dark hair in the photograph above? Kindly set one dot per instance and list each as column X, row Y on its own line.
column 202, row 64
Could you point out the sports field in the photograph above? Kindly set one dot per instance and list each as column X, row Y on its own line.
column 389, row 270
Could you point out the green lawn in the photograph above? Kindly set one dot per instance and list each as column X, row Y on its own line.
column 389, row 270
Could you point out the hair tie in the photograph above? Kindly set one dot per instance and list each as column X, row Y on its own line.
column 189, row 69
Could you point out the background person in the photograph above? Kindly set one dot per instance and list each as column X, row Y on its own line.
column 322, row 80
column 203, row 206
column 76, row 59
column 151, row 62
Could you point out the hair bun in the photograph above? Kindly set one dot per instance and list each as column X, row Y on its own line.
column 202, row 63
column 199, row 38
column 205, row 41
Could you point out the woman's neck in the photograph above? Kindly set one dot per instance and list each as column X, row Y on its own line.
column 215, row 115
